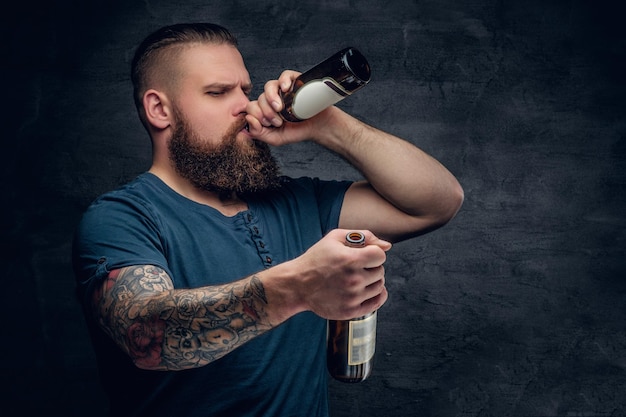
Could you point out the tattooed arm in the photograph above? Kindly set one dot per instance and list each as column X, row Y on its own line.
column 163, row 328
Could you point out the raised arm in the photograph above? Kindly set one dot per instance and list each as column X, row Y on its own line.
column 405, row 193
column 162, row 328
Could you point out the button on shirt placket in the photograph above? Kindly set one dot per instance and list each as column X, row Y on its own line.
column 257, row 237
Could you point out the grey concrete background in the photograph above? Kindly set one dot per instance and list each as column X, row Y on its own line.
column 516, row 308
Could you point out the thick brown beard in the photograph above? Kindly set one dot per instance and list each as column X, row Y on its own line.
column 224, row 169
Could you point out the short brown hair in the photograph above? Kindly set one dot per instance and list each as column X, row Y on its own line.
column 151, row 51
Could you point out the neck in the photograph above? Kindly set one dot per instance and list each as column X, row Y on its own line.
column 228, row 206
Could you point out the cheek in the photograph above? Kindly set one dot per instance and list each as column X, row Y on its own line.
column 208, row 124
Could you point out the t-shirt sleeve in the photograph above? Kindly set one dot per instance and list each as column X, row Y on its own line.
column 115, row 232
column 330, row 195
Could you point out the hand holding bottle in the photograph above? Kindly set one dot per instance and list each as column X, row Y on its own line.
column 297, row 97
column 340, row 282
column 263, row 114
column 351, row 344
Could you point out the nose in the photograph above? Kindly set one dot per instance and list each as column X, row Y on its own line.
column 241, row 102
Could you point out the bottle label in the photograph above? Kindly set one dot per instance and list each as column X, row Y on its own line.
column 362, row 340
column 315, row 96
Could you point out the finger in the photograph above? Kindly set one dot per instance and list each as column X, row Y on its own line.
column 261, row 132
column 371, row 257
column 374, row 303
column 286, row 79
column 271, row 92
column 372, row 239
column 255, row 127
column 374, row 280
column 284, row 84
column 263, row 107
column 270, row 135
column 369, row 303
column 270, row 117
column 254, row 109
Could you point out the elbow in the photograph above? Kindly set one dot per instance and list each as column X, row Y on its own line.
column 457, row 198
column 449, row 205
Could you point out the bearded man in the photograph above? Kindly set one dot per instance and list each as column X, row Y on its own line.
column 207, row 281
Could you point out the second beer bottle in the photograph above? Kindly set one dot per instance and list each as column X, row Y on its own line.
column 351, row 343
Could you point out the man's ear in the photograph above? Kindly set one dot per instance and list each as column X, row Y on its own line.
column 156, row 106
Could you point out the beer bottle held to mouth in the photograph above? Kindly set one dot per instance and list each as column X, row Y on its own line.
column 325, row 84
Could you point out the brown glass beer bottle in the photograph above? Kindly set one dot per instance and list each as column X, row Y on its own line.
column 325, row 84
column 351, row 343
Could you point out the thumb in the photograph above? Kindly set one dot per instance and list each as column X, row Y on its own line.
column 371, row 239
column 381, row 243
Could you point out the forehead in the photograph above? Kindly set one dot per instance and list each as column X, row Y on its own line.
column 213, row 63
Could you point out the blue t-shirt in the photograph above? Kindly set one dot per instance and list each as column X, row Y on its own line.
column 280, row 373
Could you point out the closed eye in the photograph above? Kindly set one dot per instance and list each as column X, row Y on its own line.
column 217, row 90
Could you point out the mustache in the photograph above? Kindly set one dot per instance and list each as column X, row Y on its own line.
column 234, row 129
column 239, row 124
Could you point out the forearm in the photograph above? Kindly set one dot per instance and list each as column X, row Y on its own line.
column 162, row 328
column 404, row 175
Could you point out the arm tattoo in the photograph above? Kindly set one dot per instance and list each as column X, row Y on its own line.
column 166, row 329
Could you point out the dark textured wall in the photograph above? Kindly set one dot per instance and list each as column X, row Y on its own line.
column 516, row 308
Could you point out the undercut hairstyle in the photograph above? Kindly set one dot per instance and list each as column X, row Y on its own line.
column 156, row 55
